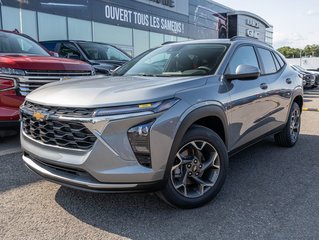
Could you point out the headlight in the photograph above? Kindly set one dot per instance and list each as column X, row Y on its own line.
column 154, row 107
column 12, row 71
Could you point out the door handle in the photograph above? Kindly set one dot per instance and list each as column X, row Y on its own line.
column 263, row 86
column 288, row 80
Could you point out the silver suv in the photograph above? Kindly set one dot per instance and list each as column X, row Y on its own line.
column 167, row 123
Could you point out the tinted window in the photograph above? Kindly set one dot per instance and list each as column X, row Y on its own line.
column 115, row 54
column 244, row 55
column 278, row 67
column 14, row 43
column 281, row 62
column 99, row 51
column 49, row 45
column 268, row 61
column 68, row 50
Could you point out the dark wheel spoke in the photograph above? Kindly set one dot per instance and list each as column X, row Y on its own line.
column 211, row 162
column 202, row 182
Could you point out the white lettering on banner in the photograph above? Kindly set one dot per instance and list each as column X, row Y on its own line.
column 118, row 14
column 142, row 19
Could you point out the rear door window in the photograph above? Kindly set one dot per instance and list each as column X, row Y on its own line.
column 268, row 61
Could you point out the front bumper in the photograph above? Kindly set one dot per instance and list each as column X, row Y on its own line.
column 110, row 165
column 81, row 180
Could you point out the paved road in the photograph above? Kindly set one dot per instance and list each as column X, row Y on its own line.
column 311, row 98
column 270, row 193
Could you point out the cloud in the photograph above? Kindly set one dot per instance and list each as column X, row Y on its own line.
column 312, row 13
column 288, row 39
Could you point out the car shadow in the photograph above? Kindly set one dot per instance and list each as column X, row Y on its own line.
column 262, row 181
column 13, row 172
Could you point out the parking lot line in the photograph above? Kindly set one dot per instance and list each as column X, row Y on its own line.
column 10, row 151
column 311, row 109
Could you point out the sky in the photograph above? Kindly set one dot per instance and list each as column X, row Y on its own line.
column 296, row 22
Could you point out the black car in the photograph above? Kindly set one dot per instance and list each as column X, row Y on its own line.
column 308, row 78
column 314, row 73
column 103, row 57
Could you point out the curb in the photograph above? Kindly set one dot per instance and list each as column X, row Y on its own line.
column 311, row 109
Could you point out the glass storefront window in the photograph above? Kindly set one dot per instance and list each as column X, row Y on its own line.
column 47, row 22
column 79, row 33
column 181, row 39
column 10, row 18
column 112, row 34
column 29, row 23
column 170, row 38
column 141, row 41
column 156, row 39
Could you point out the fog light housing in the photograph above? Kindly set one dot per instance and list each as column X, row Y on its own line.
column 139, row 137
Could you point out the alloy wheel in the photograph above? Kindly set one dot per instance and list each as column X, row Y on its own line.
column 196, row 169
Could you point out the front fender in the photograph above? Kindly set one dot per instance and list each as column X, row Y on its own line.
column 197, row 112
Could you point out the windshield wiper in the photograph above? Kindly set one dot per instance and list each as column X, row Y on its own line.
column 147, row 75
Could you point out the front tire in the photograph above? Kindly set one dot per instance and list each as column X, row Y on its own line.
column 290, row 134
column 199, row 169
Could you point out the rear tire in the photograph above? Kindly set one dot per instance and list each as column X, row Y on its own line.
column 289, row 135
column 199, row 169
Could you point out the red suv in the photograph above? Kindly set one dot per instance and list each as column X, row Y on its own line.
column 25, row 66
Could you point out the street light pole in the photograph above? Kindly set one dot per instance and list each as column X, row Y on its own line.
column 300, row 57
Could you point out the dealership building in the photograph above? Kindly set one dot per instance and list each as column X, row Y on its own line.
column 133, row 25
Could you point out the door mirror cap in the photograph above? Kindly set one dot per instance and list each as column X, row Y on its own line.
column 244, row 72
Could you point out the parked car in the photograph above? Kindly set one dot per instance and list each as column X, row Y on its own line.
column 308, row 78
column 103, row 57
column 316, row 75
column 25, row 66
column 167, row 124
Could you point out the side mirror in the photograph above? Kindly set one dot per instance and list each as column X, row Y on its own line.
column 244, row 72
column 54, row 54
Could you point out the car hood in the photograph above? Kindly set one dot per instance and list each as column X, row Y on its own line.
column 112, row 91
column 32, row 62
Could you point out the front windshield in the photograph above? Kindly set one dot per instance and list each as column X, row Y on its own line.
column 14, row 43
column 100, row 52
column 180, row 60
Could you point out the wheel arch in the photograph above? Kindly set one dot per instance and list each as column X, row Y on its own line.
column 299, row 100
column 206, row 116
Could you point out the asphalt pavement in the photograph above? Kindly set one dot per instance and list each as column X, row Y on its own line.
column 270, row 193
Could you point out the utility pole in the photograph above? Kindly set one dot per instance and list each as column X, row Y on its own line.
column 300, row 57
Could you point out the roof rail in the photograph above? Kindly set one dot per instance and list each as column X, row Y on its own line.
column 237, row 38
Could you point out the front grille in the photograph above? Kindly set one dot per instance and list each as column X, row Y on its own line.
column 73, row 135
column 59, row 111
column 34, row 79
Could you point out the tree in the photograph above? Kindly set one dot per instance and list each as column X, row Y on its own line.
column 289, row 52
column 309, row 50
column 312, row 50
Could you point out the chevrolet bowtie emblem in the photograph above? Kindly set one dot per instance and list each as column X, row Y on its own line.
column 39, row 116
